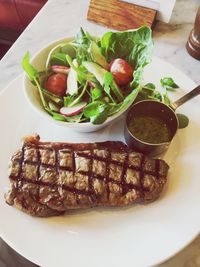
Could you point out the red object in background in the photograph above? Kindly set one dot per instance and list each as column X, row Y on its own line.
column 15, row 15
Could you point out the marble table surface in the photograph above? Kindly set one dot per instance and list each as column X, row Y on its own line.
column 60, row 18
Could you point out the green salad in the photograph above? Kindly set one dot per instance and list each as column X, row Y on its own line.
column 90, row 79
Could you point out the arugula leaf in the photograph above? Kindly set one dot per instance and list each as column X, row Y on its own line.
column 157, row 96
column 116, row 90
column 55, row 98
column 129, row 99
column 114, row 108
column 137, row 77
column 109, row 83
column 61, row 48
column 149, row 86
column 168, row 83
column 108, row 79
column 76, row 118
column 82, row 37
column 166, row 100
column 97, row 56
column 58, row 117
column 81, row 71
column 132, row 96
column 100, row 118
column 96, row 93
column 29, row 69
column 94, row 109
column 59, row 59
column 33, row 75
column 70, row 101
column 53, row 107
column 82, row 44
column 183, row 120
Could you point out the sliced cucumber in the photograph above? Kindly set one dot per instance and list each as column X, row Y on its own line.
column 96, row 70
column 97, row 56
column 54, row 98
column 53, row 107
column 72, row 84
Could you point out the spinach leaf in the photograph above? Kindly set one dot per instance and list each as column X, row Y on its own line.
column 183, row 120
column 135, row 46
column 168, row 83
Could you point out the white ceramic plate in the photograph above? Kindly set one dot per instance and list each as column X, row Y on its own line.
column 139, row 235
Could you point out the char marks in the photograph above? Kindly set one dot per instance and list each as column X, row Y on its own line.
column 56, row 177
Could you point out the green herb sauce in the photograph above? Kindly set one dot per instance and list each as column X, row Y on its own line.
column 149, row 129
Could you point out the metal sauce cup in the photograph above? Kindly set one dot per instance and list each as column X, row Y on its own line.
column 158, row 110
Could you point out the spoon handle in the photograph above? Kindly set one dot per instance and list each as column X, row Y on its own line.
column 185, row 98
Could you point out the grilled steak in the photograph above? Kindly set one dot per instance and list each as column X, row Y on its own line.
column 50, row 178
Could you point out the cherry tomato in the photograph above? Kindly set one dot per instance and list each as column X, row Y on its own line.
column 57, row 84
column 122, row 71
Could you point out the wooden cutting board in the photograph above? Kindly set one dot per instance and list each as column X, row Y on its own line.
column 120, row 15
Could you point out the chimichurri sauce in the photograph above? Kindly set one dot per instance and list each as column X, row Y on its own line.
column 149, row 129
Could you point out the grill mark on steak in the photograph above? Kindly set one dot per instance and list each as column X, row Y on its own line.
column 55, row 177
column 124, row 168
column 19, row 177
column 78, row 191
column 38, row 174
column 142, row 175
column 109, row 161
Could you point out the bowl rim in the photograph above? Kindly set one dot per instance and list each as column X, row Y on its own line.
column 44, row 113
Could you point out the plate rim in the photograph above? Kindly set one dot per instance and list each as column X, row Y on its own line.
column 10, row 243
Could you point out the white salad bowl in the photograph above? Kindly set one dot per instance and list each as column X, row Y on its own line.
column 32, row 94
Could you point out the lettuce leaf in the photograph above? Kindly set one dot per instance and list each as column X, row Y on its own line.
column 135, row 46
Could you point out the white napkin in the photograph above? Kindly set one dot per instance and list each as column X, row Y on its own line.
column 164, row 7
